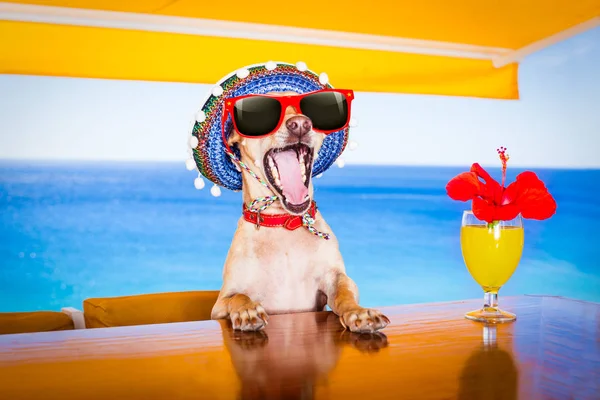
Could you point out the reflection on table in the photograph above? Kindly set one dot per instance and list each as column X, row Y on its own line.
column 429, row 351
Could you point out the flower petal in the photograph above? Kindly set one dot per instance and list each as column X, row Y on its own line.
column 483, row 210
column 510, row 194
column 530, row 180
column 491, row 189
column 489, row 212
column 530, row 195
column 482, row 173
column 507, row 212
column 536, row 204
column 464, row 186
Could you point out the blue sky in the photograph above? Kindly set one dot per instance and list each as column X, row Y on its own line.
column 555, row 124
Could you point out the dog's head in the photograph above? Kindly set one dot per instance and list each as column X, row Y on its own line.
column 285, row 158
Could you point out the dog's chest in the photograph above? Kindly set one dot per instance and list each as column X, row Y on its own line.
column 289, row 277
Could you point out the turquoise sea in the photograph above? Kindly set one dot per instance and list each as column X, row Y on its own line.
column 69, row 231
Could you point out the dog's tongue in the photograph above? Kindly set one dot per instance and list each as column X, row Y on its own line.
column 291, row 177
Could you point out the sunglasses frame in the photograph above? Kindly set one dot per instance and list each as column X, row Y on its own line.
column 285, row 101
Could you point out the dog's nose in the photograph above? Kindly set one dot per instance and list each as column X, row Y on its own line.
column 299, row 125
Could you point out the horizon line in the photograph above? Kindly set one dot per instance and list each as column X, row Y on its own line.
column 347, row 163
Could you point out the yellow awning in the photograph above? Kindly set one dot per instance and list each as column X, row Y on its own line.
column 460, row 48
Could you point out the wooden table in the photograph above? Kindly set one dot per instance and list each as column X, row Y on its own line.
column 552, row 351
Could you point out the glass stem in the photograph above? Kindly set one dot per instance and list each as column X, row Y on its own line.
column 490, row 300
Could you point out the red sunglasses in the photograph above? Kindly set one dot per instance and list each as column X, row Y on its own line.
column 260, row 115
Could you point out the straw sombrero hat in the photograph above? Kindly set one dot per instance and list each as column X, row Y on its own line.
column 206, row 141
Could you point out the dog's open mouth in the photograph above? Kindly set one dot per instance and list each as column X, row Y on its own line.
column 288, row 170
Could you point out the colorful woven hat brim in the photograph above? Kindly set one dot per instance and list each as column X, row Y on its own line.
column 209, row 152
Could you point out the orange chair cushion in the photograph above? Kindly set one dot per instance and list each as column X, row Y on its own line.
column 36, row 321
column 146, row 309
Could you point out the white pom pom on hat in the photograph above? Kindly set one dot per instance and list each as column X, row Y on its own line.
column 323, row 78
column 200, row 116
column 217, row 91
column 301, row 65
column 190, row 164
column 242, row 73
column 199, row 183
column 215, row 191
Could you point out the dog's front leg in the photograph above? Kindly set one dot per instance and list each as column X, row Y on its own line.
column 245, row 314
column 342, row 298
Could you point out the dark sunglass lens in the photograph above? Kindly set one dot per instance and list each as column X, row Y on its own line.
column 327, row 110
column 256, row 116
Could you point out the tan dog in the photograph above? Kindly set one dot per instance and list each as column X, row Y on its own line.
column 275, row 270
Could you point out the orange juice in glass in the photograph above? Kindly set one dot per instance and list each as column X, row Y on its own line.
column 491, row 252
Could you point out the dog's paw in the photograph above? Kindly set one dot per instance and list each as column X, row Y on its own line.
column 364, row 342
column 249, row 317
column 364, row 320
column 250, row 340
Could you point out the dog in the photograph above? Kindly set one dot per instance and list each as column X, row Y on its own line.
column 275, row 270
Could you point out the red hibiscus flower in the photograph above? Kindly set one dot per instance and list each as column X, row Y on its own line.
column 527, row 196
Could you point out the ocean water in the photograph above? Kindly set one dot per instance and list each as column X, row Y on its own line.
column 69, row 231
